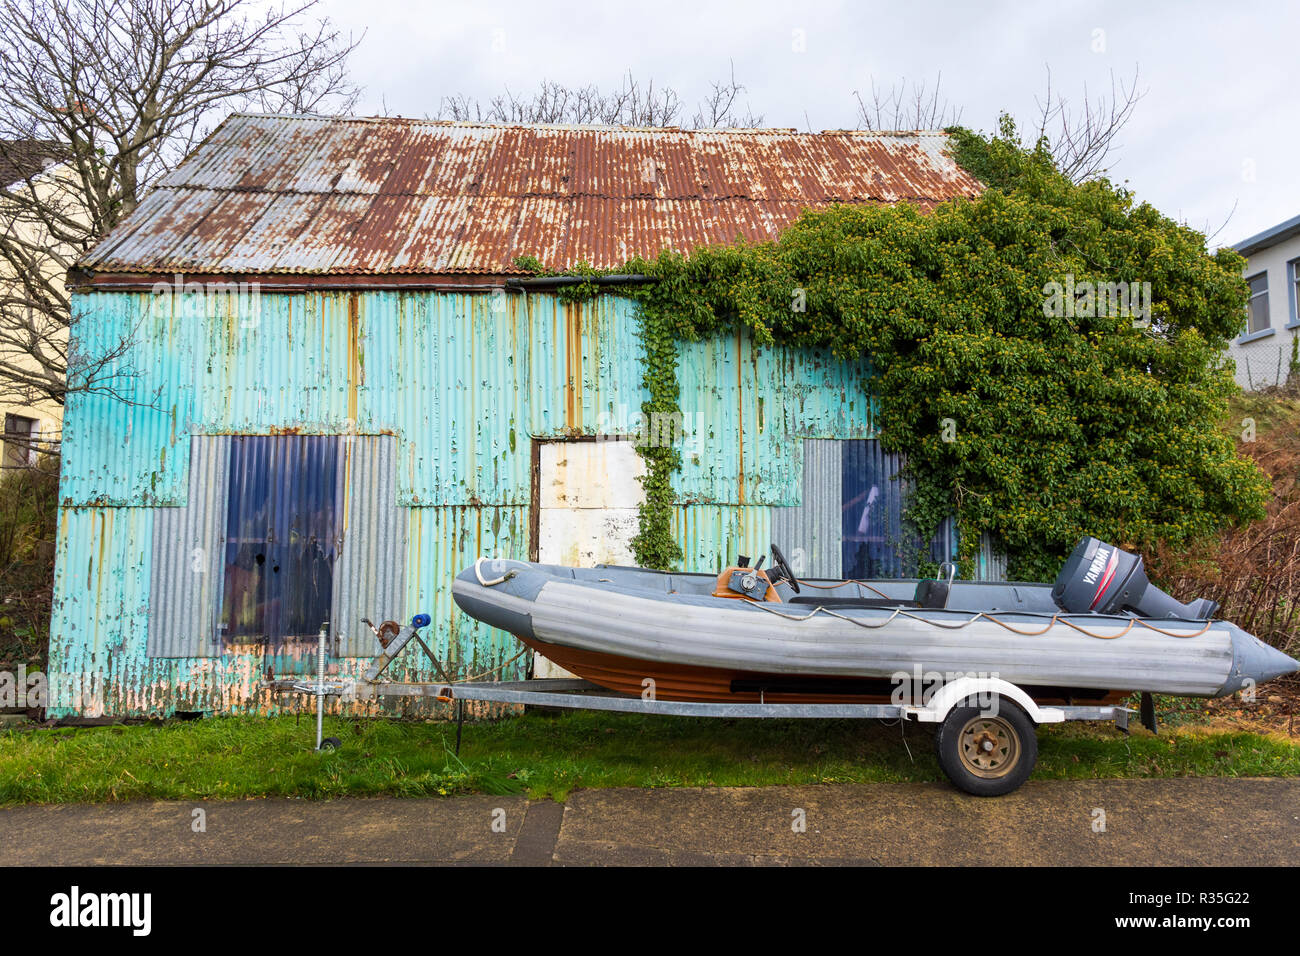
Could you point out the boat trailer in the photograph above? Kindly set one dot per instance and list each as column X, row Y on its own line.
column 987, row 739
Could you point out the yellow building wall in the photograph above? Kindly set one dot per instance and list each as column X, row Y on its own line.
column 48, row 415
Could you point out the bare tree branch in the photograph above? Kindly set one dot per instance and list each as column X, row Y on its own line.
column 906, row 107
column 1212, row 234
column 1082, row 137
column 632, row 103
column 720, row 108
column 120, row 91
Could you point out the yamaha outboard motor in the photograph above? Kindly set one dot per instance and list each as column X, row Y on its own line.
column 1100, row 578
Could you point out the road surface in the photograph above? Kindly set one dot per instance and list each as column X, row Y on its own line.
column 1093, row 822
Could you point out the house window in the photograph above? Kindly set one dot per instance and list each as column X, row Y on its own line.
column 1257, row 314
column 1294, row 267
column 19, row 450
column 281, row 538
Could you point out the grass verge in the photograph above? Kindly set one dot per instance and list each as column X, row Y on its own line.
column 546, row 755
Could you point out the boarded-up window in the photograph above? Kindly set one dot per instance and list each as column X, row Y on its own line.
column 280, row 537
column 850, row 522
column 871, row 513
column 279, row 534
column 876, row 541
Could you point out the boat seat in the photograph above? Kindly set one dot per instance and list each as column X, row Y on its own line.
column 932, row 594
column 849, row 601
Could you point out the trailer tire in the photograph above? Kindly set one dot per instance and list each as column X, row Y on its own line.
column 987, row 752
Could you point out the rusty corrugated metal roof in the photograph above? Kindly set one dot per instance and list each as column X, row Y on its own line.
column 320, row 195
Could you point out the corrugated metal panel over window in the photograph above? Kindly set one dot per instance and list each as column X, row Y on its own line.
column 850, row 521
column 874, row 544
column 992, row 560
column 878, row 543
column 281, row 538
column 187, row 559
column 279, row 534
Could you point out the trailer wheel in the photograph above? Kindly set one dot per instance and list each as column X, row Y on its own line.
column 330, row 743
column 987, row 752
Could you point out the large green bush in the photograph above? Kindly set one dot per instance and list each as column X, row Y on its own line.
column 1028, row 412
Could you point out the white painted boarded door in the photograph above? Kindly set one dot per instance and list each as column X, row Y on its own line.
column 588, row 495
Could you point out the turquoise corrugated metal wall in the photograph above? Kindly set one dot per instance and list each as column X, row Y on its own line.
column 464, row 382
column 98, row 659
column 747, row 409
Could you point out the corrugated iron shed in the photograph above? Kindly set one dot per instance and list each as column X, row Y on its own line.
column 374, row 244
column 313, row 195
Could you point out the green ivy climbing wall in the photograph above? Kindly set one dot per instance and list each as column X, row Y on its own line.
column 1032, row 400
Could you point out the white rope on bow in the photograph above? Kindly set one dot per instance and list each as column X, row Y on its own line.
column 478, row 573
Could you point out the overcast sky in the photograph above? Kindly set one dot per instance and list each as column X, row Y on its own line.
column 1218, row 126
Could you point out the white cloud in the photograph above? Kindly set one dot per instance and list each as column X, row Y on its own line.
column 1219, row 78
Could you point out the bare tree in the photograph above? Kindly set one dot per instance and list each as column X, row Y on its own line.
column 118, row 91
column 720, row 108
column 1082, row 137
column 906, row 106
column 632, row 103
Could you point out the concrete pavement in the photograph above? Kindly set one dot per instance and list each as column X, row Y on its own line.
column 1093, row 822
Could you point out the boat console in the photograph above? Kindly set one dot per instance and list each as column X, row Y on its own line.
column 742, row 581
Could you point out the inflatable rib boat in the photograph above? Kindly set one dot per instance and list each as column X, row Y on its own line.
column 1100, row 632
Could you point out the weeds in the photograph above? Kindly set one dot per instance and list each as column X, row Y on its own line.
column 28, row 520
column 1253, row 571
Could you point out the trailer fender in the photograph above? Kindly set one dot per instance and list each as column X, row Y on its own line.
column 955, row 692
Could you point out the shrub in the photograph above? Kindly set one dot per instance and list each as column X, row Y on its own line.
column 1024, row 407
column 28, row 523
column 1252, row 571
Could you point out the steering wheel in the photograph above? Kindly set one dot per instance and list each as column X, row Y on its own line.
column 778, row 559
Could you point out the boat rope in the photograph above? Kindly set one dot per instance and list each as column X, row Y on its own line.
column 478, row 573
column 495, row 670
column 903, row 612
column 839, row 584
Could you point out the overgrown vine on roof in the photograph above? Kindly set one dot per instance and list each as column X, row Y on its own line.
column 1049, row 355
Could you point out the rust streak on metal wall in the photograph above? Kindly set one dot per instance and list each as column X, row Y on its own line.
column 355, row 379
column 573, row 387
column 740, row 417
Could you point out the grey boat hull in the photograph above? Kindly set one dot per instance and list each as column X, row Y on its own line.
column 657, row 621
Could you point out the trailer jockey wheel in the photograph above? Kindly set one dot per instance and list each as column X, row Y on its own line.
column 987, row 751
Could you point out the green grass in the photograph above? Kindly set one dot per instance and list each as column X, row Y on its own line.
column 544, row 755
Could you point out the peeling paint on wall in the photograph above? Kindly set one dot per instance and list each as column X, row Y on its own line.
column 463, row 383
